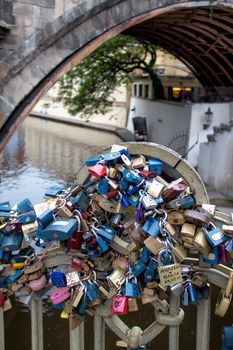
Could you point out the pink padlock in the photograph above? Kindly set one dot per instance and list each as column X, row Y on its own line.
column 120, row 305
column 60, row 295
column 38, row 284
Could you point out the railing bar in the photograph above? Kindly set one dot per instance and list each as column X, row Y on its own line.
column 2, row 333
column 99, row 333
column 174, row 331
column 203, row 324
column 77, row 338
column 36, row 324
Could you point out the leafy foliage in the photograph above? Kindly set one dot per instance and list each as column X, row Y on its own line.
column 88, row 86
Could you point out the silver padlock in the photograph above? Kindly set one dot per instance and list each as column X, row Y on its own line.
column 148, row 202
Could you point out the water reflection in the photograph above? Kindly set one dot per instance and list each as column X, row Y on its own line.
column 43, row 153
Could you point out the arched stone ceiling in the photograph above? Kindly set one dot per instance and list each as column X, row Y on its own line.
column 200, row 37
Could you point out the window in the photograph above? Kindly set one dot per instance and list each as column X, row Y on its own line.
column 140, row 90
column 146, row 91
column 135, row 90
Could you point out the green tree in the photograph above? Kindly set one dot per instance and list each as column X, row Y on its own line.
column 88, row 86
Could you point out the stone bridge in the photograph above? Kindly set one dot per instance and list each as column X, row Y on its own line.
column 40, row 40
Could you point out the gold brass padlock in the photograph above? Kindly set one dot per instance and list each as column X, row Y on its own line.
column 229, row 286
column 188, row 230
column 74, row 322
column 209, row 208
column 169, row 274
column 201, row 243
column 139, row 162
column 179, row 251
column 145, row 298
column 223, row 304
column 112, row 173
column 154, row 244
column 117, row 277
column 175, row 217
column 29, row 228
column 187, row 239
column 132, row 305
column 64, row 212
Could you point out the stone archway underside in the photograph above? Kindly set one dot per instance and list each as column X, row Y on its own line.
column 200, row 33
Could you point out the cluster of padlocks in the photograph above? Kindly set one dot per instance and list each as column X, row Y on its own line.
column 122, row 235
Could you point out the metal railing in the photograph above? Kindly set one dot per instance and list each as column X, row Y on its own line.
column 218, row 275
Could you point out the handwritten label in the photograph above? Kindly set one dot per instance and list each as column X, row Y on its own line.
column 170, row 274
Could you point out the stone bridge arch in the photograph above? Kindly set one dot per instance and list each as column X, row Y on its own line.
column 198, row 32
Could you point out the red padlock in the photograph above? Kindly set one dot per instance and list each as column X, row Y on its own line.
column 77, row 264
column 99, row 171
column 120, row 305
column 112, row 193
column 75, row 242
column 147, row 174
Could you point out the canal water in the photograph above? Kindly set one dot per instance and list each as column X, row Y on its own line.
column 44, row 153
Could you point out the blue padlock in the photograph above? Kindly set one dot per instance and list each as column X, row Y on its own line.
column 15, row 276
column 27, row 218
column 123, row 184
column 213, row 258
column 193, row 296
column 107, row 232
column 229, row 246
column 82, row 306
column 60, row 229
column 45, row 218
column 134, row 199
column 82, row 201
column 227, row 335
column 92, row 161
column 92, row 291
column 111, row 158
column 151, row 226
column 58, row 279
column 124, row 201
column 103, row 187
column 182, row 203
column 146, row 255
column 215, row 236
column 131, row 289
column 155, row 165
column 149, row 273
column 12, row 242
column 102, row 244
column 4, row 214
column 139, row 268
column 54, row 191
column 131, row 176
column 24, row 207
column 185, row 297
column 5, row 206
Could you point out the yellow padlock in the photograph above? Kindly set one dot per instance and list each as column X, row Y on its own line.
column 223, row 304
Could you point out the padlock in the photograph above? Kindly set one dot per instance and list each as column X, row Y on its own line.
column 107, row 232
column 82, row 201
column 228, row 230
column 131, row 288
column 215, row 236
column 120, row 305
column 209, row 208
column 149, row 203
column 223, row 254
column 154, row 244
column 182, row 203
column 138, row 268
column 92, row 291
column 58, row 279
column 149, row 273
column 169, row 274
column 199, row 279
column 98, row 171
column 121, row 262
column 60, row 295
column 75, row 241
column 14, row 276
column 173, row 191
column 117, row 278
column 38, row 284
column 200, row 242
column 64, row 212
column 92, row 161
column 193, row 297
column 126, row 161
column 53, row 191
column 12, row 242
column 222, row 304
column 227, row 338
column 115, row 219
column 27, row 218
column 145, row 255
column 103, row 187
column 134, row 199
column 132, row 305
column 72, row 278
column 155, row 165
column 139, row 162
column 29, row 228
column 60, row 229
column 177, row 289
column 112, row 157
column 5, row 206
column 196, row 218
column 146, row 299
column 213, row 258
column 179, row 251
column 45, row 218
column 152, row 226
column 24, row 207
column 131, row 176
column 188, row 230
column 175, row 217
column 78, row 294
column 155, row 188
column 185, row 297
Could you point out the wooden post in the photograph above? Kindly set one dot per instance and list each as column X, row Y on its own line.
column 2, row 333
column 36, row 324
column 203, row 324
column 174, row 331
column 77, row 338
column 99, row 333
